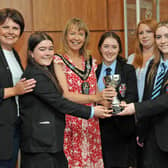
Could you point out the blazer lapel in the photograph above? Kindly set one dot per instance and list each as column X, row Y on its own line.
column 118, row 68
column 98, row 71
column 165, row 84
column 6, row 67
column 5, row 64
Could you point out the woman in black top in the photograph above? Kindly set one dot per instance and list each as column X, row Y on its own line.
column 11, row 28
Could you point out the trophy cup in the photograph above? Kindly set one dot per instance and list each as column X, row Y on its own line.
column 114, row 80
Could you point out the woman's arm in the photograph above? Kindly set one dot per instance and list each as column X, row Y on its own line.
column 75, row 97
column 151, row 108
column 147, row 108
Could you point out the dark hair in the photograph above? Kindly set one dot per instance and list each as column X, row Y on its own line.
column 13, row 14
column 33, row 41
column 36, row 38
column 116, row 37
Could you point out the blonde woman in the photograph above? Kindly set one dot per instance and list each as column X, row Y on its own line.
column 75, row 70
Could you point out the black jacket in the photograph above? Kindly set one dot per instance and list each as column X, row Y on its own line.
column 43, row 114
column 117, row 133
column 8, row 109
column 154, row 112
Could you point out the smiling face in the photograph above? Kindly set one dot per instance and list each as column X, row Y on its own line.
column 162, row 40
column 9, row 34
column 146, row 36
column 43, row 53
column 109, row 50
column 75, row 38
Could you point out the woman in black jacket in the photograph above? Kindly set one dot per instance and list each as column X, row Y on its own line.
column 11, row 28
column 43, row 111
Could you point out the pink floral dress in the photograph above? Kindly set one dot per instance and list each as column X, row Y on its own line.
column 82, row 142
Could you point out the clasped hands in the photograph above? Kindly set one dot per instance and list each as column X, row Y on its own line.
column 108, row 94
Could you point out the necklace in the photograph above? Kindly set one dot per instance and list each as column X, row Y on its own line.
column 82, row 74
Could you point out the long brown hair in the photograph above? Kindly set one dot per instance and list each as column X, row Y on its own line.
column 33, row 41
column 138, row 59
column 158, row 54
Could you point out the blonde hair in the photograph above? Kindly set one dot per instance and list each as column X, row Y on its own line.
column 81, row 26
column 138, row 59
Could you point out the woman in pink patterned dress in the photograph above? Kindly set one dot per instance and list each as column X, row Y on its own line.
column 75, row 70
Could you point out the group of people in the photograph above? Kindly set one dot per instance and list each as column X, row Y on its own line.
column 58, row 110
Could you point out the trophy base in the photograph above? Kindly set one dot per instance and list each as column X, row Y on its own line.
column 116, row 109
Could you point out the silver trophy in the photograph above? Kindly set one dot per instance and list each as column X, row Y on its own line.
column 114, row 80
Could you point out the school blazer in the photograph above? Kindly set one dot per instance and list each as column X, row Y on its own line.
column 43, row 114
column 118, row 132
column 8, row 109
column 155, row 112
column 125, row 125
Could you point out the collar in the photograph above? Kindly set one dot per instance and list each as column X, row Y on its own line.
column 165, row 63
column 112, row 66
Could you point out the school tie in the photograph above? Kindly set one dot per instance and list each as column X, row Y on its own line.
column 108, row 71
column 159, row 81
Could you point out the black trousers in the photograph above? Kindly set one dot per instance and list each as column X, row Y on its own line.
column 44, row 160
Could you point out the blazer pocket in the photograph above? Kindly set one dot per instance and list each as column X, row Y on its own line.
column 44, row 132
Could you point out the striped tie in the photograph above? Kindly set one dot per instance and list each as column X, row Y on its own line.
column 159, row 81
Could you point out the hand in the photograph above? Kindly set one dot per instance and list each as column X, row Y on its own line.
column 129, row 109
column 140, row 144
column 106, row 103
column 24, row 86
column 123, row 104
column 108, row 93
column 102, row 112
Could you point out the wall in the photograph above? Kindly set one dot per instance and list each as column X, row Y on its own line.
column 52, row 15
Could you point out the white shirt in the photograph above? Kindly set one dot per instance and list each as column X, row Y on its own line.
column 15, row 70
column 141, row 75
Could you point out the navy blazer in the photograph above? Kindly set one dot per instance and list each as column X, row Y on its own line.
column 43, row 114
column 117, row 133
column 8, row 109
column 128, row 78
column 154, row 112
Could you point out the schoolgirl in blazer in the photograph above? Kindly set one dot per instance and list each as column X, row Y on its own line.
column 117, row 133
column 43, row 111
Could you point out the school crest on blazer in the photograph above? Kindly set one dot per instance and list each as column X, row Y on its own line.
column 122, row 89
